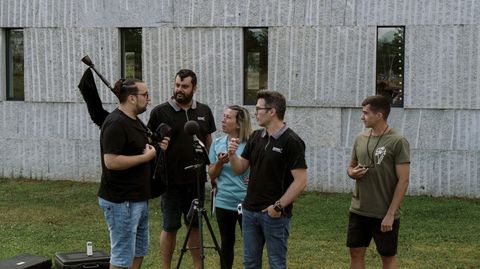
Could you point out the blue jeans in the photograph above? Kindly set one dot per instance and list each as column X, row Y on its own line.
column 128, row 226
column 259, row 228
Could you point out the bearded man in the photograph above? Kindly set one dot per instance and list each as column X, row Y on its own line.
column 182, row 186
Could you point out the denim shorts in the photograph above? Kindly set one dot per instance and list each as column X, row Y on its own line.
column 177, row 201
column 128, row 226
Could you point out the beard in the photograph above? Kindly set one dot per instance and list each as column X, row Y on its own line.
column 182, row 98
column 141, row 109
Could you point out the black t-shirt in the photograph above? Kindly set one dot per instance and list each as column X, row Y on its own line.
column 180, row 152
column 271, row 160
column 122, row 135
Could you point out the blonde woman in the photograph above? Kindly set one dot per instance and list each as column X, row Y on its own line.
column 231, row 187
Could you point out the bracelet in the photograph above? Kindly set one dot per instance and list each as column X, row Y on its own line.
column 277, row 206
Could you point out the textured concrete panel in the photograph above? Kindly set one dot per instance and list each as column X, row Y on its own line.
column 88, row 158
column 320, row 12
column 201, row 13
column 186, row 13
column 85, row 13
column 49, row 140
column 38, row 13
column 322, row 66
column 318, row 127
column 51, row 159
column 414, row 12
column 52, row 62
column 214, row 54
column 47, row 121
column 432, row 172
column 125, row 13
column 327, row 169
column 424, row 129
column 445, row 173
column 22, row 158
column 442, row 66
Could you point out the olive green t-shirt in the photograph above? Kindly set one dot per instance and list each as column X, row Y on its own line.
column 374, row 192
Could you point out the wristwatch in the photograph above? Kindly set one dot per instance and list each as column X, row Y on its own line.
column 277, row 206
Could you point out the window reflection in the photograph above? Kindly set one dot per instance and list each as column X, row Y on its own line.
column 256, row 62
column 390, row 63
column 131, row 39
column 15, row 66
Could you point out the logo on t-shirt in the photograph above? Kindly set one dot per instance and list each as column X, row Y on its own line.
column 201, row 118
column 380, row 153
column 279, row 150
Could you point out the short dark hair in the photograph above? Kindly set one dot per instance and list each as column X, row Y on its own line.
column 183, row 73
column 378, row 104
column 275, row 100
column 125, row 87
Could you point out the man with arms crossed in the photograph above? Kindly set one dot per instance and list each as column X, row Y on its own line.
column 380, row 166
column 125, row 185
column 278, row 174
column 182, row 184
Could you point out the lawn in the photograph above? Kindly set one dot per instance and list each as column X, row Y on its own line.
column 44, row 217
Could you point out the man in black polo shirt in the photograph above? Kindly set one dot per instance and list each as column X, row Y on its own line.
column 278, row 174
column 182, row 188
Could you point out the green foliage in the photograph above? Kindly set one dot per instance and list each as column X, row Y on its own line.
column 44, row 217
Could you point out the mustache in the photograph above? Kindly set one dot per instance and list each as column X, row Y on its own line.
column 180, row 93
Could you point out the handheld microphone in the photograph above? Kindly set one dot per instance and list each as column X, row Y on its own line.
column 192, row 128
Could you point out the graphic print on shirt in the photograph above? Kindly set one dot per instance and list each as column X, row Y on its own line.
column 380, row 154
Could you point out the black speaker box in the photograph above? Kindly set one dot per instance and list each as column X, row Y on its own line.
column 26, row 261
column 78, row 260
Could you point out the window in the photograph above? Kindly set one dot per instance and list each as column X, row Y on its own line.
column 256, row 63
column 390, row 63
column 131, row 46
column 14, row 64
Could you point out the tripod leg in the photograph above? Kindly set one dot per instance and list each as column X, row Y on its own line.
column 184, row 246
column 217, row 247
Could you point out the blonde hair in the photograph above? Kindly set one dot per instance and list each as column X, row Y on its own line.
column 243, row 120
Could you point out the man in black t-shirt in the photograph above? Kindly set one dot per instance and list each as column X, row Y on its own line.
column 182, row 184
column 125, row 185
column 278, row 174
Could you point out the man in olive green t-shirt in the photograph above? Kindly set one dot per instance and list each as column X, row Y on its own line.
column 380, row 166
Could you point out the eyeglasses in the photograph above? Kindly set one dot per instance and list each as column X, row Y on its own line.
column 261, row 108
column 143, row 94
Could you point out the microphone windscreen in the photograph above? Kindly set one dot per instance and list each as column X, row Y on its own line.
column 191, row 127
column 164, row 130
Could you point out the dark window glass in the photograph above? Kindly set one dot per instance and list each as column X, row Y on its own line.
column 14, row 70
column 256, row 63
column 390, row 63
column 131, row 39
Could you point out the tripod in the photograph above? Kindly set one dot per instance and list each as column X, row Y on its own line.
column 197, row 211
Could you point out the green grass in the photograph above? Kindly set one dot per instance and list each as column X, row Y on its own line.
column 44, row 217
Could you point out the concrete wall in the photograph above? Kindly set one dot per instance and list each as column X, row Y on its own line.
column 321, row 56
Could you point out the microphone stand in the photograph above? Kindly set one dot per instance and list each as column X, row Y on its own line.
column 198, row 211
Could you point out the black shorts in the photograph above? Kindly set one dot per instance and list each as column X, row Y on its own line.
column 361, row 230
column 176, row 201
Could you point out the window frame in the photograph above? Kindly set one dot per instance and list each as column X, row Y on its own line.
column 245, row 65
column 122, row 51
column 9, row 65
column 402, row 73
